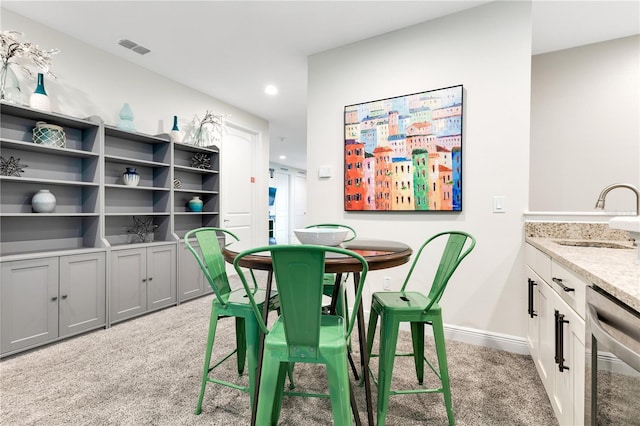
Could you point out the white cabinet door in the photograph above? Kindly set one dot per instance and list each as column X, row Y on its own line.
column 568, row 384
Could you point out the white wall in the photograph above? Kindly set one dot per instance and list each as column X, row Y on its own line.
column 585, row 126
column 488, row 50
column 92, row 82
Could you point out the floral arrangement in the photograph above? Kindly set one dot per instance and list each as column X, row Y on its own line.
column 12, row 50
column 206, row 132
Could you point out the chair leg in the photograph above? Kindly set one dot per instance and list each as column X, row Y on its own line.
column 417, row 338
column 338, row 378
column 292, row 384
column 213, row 322
column 388, row 340
column 371, row 329
column 283, row 370
column 268, row 389
column 241, row 344
column 438, row 335
column 252, row 343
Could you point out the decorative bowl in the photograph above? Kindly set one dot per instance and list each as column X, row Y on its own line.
column 321, row 236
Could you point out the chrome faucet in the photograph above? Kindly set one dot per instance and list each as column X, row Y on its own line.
column 605, row 191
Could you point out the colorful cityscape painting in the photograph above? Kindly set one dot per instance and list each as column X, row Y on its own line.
column 404, row 153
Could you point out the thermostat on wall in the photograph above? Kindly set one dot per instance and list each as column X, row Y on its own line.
column 324, row 171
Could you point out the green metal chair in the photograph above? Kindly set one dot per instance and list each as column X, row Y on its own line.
column 339, row 305
column 418, row 309
column 227, row 303
column 302, row 334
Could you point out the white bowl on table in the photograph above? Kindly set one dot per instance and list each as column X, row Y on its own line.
column 321, row 236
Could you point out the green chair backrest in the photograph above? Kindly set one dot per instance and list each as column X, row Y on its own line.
column 298, row 272
column 336, row 225
column 211, row 261
column 451, row 257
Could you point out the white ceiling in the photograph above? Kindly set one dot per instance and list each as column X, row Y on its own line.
column 232, row 49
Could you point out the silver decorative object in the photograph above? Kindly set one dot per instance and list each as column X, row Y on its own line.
column 143, row 228
column 11, row 167
column 177, row 184
column 201, row 161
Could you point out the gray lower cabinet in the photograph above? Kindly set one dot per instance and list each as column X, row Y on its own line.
column 191, row 279
column 142, row 279
column 50, row 298
column 82, row 293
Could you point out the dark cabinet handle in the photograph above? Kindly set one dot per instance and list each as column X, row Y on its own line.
column 151, row 279
column 559, row 346
column 64, row 296
column 530, row 310
column 144, row 280
column 54, row 298
column 561, row 284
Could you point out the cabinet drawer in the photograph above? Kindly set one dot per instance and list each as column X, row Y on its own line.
column 569, row 286
column 538, row 261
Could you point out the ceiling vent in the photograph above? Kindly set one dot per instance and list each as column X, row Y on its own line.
column 133, row 46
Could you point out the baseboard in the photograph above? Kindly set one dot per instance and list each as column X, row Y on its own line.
column 477, row 337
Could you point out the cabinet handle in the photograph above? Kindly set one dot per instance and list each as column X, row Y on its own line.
column 559, row 356
column 151, row 279
column 144, row 280
column 561, row 284
column 530, row 310
column 54, row 298
column 64, row 296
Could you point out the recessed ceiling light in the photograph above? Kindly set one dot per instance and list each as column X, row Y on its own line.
column 271, row 89
column 283, row 157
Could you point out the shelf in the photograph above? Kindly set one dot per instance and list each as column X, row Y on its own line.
column 195, row 191
column 134, row 162
column 195, row 213
column 195, row 149
column 13, row 179
column 135, row 136
column 195, row 170
column 137, row 214
column 33, row 147
column 41, row 215
column 140, row 188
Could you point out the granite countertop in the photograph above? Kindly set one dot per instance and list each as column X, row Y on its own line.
column 612, row 269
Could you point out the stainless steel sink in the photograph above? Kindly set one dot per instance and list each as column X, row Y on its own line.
column 596, row 244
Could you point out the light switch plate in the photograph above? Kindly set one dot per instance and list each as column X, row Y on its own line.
column 499, row 205
column 324, row 171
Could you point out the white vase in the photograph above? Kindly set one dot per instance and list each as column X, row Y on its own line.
column 131, row 177
column 43, row 201
column 39, row 99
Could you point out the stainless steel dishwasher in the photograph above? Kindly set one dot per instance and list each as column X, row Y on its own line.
column 612, row 382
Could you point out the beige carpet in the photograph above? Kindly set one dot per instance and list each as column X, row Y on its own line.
column 147, row 371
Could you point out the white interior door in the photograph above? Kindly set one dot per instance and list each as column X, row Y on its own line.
column 237, row 194
column 299, row 204
column 282, row 207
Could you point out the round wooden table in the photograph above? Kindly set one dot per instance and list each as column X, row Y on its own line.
column 380, row 254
